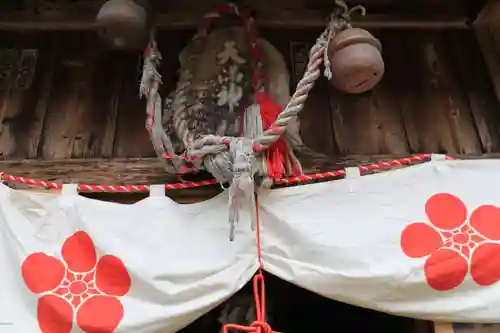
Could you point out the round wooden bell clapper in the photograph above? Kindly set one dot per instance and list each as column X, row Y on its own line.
column 125, row 24
column 356, row 60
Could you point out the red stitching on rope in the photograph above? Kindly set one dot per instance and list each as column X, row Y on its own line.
column 185, row 185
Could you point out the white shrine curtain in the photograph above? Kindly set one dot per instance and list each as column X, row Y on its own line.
column 154, row 266
column 422, row 242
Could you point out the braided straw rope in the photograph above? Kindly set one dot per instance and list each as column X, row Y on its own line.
column 214, row 144
column 296, row 103
column 212, row 150
column 339, row 20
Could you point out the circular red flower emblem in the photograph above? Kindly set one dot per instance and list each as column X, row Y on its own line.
column 80, row 288
column 456, row 244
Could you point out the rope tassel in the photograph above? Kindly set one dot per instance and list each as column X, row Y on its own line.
column 242, row 187
column 280, row 159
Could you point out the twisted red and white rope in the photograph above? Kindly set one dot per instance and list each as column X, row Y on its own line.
column 88, row 188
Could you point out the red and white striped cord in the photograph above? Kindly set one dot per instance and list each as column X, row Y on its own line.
column 177, row 186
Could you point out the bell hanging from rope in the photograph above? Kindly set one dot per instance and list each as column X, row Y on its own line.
column 125, row 24
column 356, row 60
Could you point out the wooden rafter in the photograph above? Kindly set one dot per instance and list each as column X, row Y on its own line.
column 190, row 20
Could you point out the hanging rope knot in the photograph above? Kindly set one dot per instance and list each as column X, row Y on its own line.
column 260, row 325
column 339, row 20
column 262, row 152
column 342, row 12
column 242, row 186
column 263, row 326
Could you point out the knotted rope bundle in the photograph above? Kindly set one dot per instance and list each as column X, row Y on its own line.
column 260, row 151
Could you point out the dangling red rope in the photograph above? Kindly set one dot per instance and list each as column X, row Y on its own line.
column 260, row 325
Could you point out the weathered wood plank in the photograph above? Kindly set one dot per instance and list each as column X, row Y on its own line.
column 80, row 100
column 473, row 76
column 370, row 123
column 421, row 69
column 400, row 82
column 424, row 107
column 457, row 109
column 131, row 139
column 116, row 74
column 486, row 27
column 19, row 93
column 136, row 171
column 57, row 9
column 189, row 18
column 149, row 170
column 48, row 68
column 436, row 108
column 315, row 121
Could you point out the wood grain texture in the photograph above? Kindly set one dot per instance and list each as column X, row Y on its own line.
column 80, row 100
column 477, row 85
column 486, row 28
column 436, row 96
column 17, row 119
column 370, row 123
column 315, row 118
column 136, row 171
column 42, row 101
column 118, row 171
column 132, row 140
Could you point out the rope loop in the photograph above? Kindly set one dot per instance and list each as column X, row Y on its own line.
column 344, row 13
column 263, row 326
column 260, row 325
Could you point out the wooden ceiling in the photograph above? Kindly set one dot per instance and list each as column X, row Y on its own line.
column 373, row 6
column 183, row 13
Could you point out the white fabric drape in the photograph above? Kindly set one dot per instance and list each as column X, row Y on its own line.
column 343, row 240
column 178, row 257
column 422, row 242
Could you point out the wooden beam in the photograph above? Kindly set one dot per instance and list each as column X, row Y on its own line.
column 149, row 170
column 137, row 171
column 190, row 20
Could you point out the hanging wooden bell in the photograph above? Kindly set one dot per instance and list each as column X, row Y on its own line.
column 356, row 60
column 125, row 24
